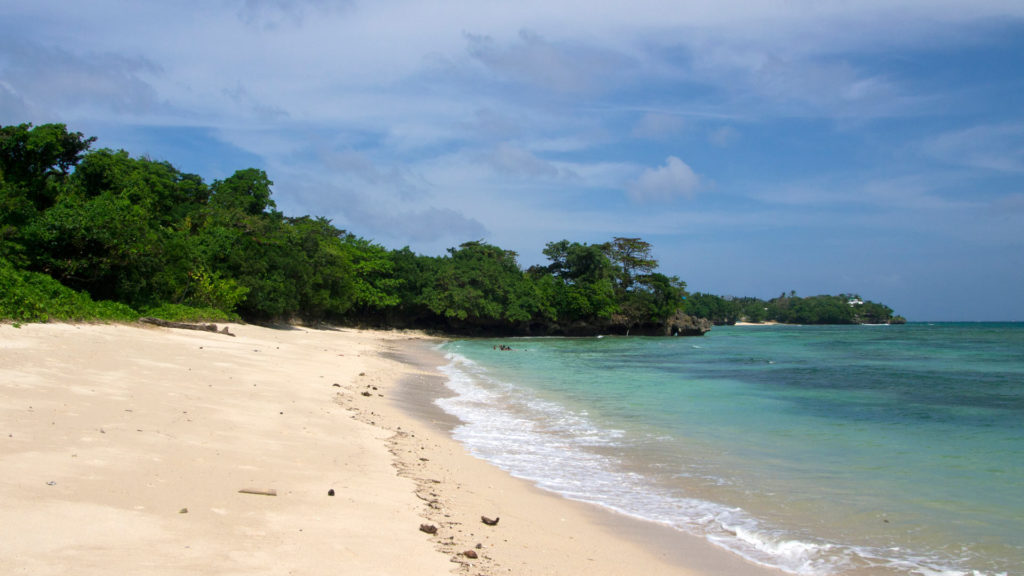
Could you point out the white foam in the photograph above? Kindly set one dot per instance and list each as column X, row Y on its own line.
column 524, row 434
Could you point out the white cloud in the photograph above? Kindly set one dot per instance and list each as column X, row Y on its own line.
column 672, row 180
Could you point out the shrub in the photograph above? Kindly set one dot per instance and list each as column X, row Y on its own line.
column 33, row 297
column 183, row 313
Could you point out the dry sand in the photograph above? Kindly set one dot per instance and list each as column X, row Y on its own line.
column 125, row 450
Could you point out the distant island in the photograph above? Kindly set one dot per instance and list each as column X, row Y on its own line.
column 101, row 235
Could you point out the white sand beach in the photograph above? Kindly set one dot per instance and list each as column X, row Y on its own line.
column 131, row 449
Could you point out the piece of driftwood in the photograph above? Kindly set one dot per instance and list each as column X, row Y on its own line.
column 259, row 491
column 186, row 326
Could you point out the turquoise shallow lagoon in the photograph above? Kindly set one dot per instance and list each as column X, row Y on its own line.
column 817, row 450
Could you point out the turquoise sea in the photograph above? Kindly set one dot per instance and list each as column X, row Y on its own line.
column 817, row 450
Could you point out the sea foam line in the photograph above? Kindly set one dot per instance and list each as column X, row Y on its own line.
column 522, row 434
column 496, row 428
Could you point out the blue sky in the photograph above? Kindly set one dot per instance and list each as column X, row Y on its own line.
column 872, row 147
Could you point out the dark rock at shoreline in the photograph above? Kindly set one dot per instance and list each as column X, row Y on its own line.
column 677, row 325
column 684, row 325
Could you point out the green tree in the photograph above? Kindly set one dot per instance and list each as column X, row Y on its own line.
column 375, row 287
column 660, row 296
column 165, row 193
column 753, row 309
column 205, row 289
column 241, row 237
column 117, row 231
column 633, row 258
column 36, row 160
column 586, row 291
column 101, row 245
column 246, row 191
column 34, row 164
column 873, row 313
column 480, row 285
column 417, row 274
column 714, row 308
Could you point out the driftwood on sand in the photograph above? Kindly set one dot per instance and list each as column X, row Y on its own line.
column 186, row 326
column 259, row 491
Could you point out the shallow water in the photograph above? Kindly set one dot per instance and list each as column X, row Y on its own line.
column 818, row 450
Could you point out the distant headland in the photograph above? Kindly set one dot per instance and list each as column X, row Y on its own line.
column 791, row 309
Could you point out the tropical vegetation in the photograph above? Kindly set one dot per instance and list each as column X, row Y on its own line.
column 100, row 234
column 791, row 309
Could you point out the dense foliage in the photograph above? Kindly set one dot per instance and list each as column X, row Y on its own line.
column 33, row 297
column 100, row 234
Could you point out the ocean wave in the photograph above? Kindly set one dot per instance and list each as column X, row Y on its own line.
column 522, row 433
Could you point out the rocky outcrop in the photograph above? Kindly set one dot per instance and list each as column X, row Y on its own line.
column 684, row 325
column 678, row 324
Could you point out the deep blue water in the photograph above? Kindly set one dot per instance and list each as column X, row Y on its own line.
column 818, row 450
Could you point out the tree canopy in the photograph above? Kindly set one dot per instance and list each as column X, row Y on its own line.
column 791, row 309
column 142, row 235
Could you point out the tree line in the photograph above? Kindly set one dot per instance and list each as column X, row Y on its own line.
column 99, row 233
column 791, row 309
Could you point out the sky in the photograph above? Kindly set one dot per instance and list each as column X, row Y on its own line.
column 824, row 147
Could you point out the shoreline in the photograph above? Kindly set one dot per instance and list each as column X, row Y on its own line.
column 125, row 448
column 551, row 534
